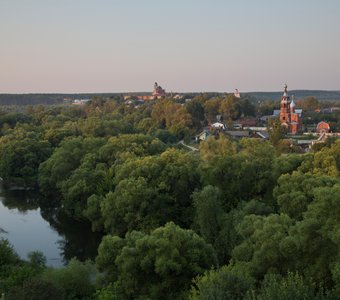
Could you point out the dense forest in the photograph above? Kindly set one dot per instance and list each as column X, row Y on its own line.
column 238, row 219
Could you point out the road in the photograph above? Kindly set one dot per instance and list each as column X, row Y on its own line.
column 187, row 146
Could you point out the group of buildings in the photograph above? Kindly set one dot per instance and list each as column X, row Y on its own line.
column 289, row 115
column 157, row 93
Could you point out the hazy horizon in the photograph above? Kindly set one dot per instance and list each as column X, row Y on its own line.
column 85, row 46
column 168, row 92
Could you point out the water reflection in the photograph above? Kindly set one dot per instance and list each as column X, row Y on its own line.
column 29, row 220
column 78, row 239
column 20, row 199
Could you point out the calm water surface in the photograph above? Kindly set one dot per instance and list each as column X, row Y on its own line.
column 33, row 223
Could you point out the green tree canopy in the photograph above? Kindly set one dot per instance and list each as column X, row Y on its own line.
column 20, row 159
column 227, row 283
column 151, row 191
column 294, row 192
column 65, row 159
column 169, row 257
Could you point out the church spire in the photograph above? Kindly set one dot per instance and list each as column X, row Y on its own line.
column 285, row 93
column 285, row 97
column 288, row 117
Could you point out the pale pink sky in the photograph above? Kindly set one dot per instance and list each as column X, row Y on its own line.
column 191, row 45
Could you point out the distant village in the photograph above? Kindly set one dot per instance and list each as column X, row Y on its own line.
column 289, row 115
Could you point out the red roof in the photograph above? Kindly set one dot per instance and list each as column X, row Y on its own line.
column 323, row 124
column 247, row 121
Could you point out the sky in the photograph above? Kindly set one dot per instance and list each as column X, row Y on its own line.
column 83, row 46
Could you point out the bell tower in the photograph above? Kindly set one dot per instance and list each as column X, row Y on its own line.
column 289, row 117
column 285, row 107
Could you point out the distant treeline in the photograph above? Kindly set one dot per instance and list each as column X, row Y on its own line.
column 298, row 94
column 51, row 99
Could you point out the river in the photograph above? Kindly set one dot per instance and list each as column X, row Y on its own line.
column 32, row 223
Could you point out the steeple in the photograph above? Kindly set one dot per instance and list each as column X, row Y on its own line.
column 285, row 93
column 288, row 117
column 285, row 111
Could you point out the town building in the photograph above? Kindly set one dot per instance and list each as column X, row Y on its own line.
column 263, row 134
column 245, row 121
column 288, row 115
column 218, row 125
column 322, row 127
column 158, row 91
column 80, row 101
column 203, row 136
column 238, row 134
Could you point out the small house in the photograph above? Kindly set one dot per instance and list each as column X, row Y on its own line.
column 203, row 136
column 218, row 125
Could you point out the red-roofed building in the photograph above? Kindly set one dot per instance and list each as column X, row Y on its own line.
column 323, row 127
